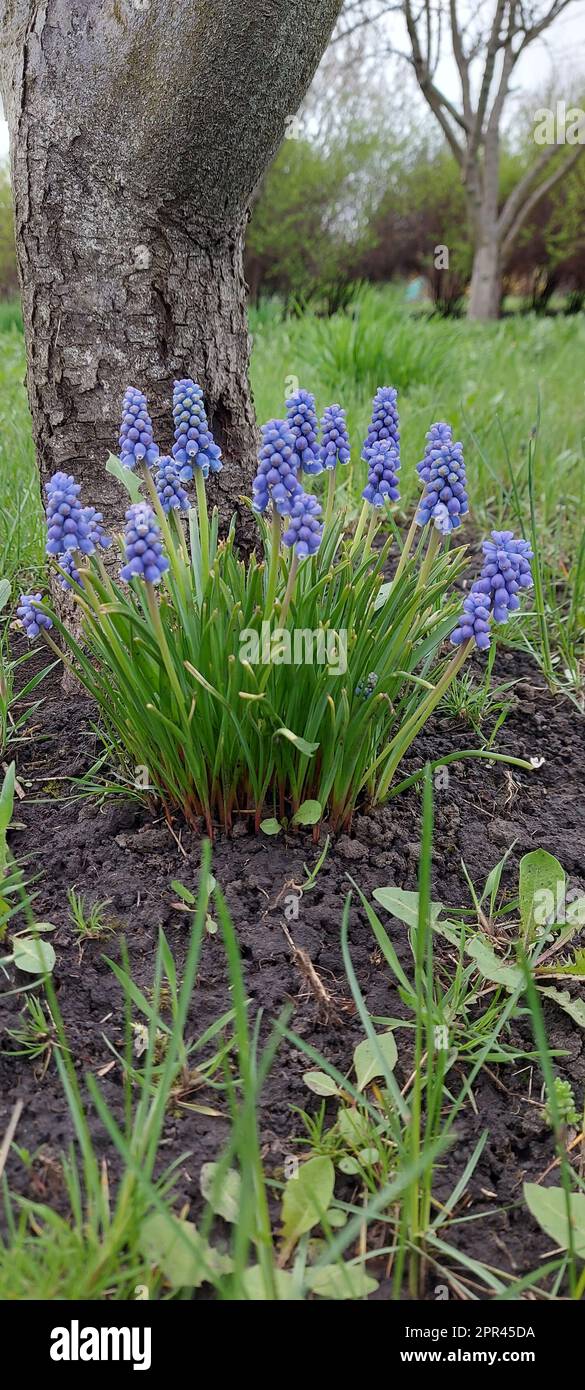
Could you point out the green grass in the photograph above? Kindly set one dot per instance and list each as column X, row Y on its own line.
column 490, row 381
column 21, row 534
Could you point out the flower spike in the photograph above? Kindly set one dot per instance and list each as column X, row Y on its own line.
column 335, row 439
column 384, row 424
column 136, row 434
column 302, row 421
column 305, row 531
column 171, row 494
column 143, row 545
column 278, row 462
column 444, row 500
column 194, row 445
column 70, row 526
column 31, row 616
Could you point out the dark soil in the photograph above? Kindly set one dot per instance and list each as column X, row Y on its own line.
column 119, row 851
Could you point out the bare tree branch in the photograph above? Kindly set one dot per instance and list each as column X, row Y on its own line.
column 438, row 102
column 494, row 44
column 521, row 201
column 462, row 63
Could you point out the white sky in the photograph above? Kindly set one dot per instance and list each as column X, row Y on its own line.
column 557, row 60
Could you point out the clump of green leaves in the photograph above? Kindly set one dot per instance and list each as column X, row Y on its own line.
column 539, row 922
column 91, row 921
column 564, row 1107
column 34, row 1036
column 480, row 703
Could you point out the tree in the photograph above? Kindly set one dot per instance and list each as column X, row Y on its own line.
column 485, row 58
column 139, row 132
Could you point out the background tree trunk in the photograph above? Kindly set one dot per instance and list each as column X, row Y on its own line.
column 139, row 131
column 486, row 281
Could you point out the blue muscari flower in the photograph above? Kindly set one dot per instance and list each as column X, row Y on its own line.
column 143, row 545
column 383, row 466
column 69, row 527
column 436, row 437
column 194, row 445
column 276, row 479
column 67, row 563
column 384, row 423
column 474, row 622
column 136, row 435
column 302, row 420
column 335, row 439
column 171, row 494
column 305, row 531
column 96, row 531
column 31, row 617
column 444, row 500
column 506, row 570
column 96, row 535
column 367, row 687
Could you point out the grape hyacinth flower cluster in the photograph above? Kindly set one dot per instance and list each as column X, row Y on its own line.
column 506, row 570
column 384, row 424
column 171, row 494
column 305, row 531
column 367, row 687
column 276, row 479
column 444, row 500
column 136, row 435
column 143, row 545
column 31, row 617
column 194, row 445
column 96, row 532
column 67, row 564
column 474, row 622
column 436, row 437
column 302, row 421
column 335, row 439
column 70, row 526
column 383, row 467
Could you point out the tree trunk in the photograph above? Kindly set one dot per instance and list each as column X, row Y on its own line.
column 135, row 295
column 138, row 134
column 486, row 281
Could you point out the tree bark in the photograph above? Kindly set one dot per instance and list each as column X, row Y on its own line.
column 139, row 130
column 486, row 281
